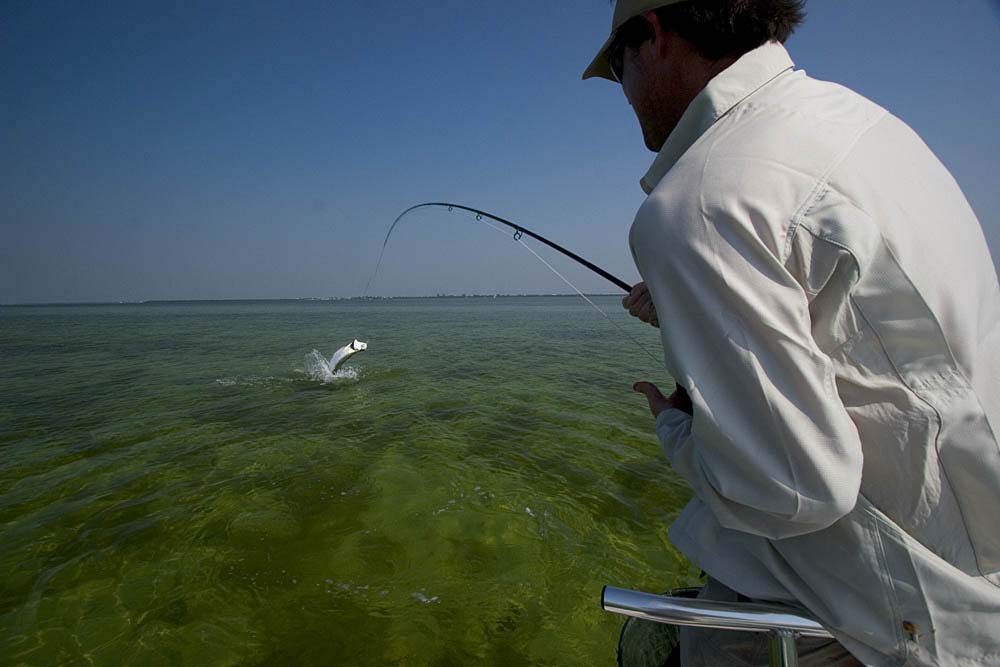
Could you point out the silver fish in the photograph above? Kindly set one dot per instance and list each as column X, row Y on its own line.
column 345, row 353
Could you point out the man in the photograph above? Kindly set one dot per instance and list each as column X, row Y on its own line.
column 825, row 295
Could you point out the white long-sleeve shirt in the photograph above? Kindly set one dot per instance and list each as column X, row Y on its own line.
column 825, row 294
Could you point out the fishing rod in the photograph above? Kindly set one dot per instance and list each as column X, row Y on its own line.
column 519, row 231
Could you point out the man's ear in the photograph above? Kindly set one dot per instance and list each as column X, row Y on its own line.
column 660, row 35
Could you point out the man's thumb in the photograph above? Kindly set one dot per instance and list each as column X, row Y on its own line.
column 651, row 391
column 657, row 401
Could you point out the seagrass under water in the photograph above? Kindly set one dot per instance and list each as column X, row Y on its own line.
column 175, row 489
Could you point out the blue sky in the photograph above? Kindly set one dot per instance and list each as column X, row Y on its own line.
column 191, row 150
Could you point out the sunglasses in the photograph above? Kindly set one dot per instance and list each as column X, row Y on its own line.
column 632, row 33
column 616, row 57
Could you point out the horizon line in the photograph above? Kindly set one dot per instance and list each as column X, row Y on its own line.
column 304, row 298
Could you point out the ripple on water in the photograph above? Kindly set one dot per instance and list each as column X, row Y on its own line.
column 264, row 525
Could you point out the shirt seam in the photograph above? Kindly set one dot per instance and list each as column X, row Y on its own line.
column 889, row 592
column 826, row 239
column 822, row 185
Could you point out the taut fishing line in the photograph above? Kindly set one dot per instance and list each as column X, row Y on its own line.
column 582, row 295
column 519, row 233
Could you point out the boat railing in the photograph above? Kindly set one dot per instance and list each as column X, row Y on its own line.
column 781, row 625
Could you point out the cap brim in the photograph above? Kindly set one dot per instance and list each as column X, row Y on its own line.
column 599, row 66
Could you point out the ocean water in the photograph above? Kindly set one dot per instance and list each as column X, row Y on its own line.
column 179, row 485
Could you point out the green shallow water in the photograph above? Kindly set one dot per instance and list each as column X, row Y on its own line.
column 175, row 490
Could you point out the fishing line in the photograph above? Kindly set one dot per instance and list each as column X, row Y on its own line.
column 519, row 231
column 577, row 290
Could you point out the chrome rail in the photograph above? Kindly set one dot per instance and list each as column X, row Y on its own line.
column 782, row 625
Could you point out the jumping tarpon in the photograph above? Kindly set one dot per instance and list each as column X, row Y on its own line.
column 345, row 353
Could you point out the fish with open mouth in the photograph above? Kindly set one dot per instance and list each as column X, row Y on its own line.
column 345, row 353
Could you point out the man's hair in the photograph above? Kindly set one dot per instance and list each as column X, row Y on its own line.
column 719, row 28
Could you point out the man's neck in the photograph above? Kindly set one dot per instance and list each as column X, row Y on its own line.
column 684, row 75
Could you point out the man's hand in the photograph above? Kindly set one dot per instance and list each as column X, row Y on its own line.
column 640, row 304
column 679, row 400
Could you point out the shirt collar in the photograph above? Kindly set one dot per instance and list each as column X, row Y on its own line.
column 730, row 87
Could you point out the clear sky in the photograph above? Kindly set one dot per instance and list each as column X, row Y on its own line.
column 192, row 150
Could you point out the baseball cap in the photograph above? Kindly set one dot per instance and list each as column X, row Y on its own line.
column 624, row 10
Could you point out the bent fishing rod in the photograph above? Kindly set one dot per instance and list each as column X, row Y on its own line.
column 519, row 231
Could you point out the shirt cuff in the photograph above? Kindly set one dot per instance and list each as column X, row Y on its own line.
column 673, row 426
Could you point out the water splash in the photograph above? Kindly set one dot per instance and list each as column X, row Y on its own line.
column 320, row 369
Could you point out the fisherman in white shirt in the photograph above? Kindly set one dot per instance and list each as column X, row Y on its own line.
column 830, row 312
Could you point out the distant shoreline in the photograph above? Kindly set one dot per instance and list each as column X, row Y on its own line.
column 154, row 302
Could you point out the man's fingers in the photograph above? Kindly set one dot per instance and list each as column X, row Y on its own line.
column 637, row 293
column 641, row 304
column 645, row 310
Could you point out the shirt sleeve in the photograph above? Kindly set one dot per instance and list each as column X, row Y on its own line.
column 770, row 448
